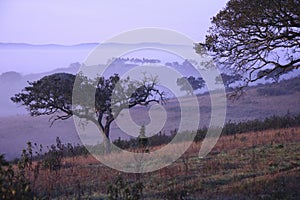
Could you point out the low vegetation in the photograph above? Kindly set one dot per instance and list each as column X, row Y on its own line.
column 260, row 163
column 284, row 87
column 230, row 128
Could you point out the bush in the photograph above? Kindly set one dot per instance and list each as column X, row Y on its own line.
column 230, row 128
column 52, row 158
column 284, row 87
column 272, row 91
column 13, row 183
column 121, row 190
column 273, row 122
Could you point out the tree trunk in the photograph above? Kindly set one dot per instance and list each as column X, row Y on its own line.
column 105, row 133
column 106, row 140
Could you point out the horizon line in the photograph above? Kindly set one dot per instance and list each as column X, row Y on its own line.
column 87, row 43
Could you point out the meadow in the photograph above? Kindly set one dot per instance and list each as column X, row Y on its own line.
column 256, row 157
column 244, row 165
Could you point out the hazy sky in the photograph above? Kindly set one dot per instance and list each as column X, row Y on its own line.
column 74, row 21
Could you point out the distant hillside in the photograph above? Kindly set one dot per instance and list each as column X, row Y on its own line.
column 16, row 130
column 29, row 58
column 13, row 82
column 284, row 87
column 40, row 46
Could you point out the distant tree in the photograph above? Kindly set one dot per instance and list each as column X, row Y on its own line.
column 10, row 77
column 271, row 74
column 248, row 36
column 143, row 140
column 52, row 95
column 190, row 84
column 228, row 79
column 173, row 64
column 188, row 63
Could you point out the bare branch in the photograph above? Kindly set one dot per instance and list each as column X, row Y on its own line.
column 247, row 40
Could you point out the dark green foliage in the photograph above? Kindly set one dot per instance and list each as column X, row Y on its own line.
column 13, row 183
column 121, row 190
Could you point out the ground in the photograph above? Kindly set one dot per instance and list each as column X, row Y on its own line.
column 256, row 165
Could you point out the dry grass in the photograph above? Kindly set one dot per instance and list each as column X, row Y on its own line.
column 261, row 165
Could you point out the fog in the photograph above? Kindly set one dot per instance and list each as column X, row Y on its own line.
column 17, row 127
column 36, row 61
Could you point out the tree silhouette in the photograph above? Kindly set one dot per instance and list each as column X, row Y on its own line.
column 227, row 79
column 271, row 74
column 190, row 84
column 52, row 95
column 248, row 36
column 49, row 95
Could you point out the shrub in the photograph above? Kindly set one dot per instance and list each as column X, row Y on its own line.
column 13, row 183
column 123, row 190
column 272, row 91
column 230, row 128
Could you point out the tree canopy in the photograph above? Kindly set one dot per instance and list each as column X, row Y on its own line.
column 52, row 95
column 190, row 84
column 227, row 79
column 49, row 95
column 249, row 36
column 271, row 74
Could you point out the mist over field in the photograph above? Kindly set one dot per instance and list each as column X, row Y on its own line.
column 25, row 62
column 149, row 99
column 17, row 127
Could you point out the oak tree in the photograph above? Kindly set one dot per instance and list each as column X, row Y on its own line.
column 52, row 95
column 249, row 36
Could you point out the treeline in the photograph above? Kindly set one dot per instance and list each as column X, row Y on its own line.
column 230, row 128
column 273, row 122
column 51, row 157
column 284, row 87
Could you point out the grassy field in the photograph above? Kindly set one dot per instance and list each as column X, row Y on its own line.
column 15, row 131
column 250, row 165
column 255, row 165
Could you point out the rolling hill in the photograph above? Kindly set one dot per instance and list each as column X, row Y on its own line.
column 259, row 102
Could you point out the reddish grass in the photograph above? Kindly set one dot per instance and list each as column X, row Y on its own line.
column 243, row 164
